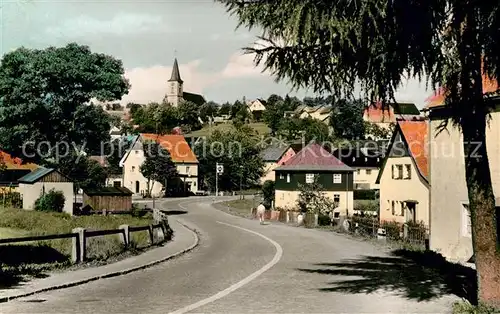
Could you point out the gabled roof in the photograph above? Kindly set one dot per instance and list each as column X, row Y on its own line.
column 376, row 113
column 438, row 98
column 176, row 145
column 274, row 153
column 313, row 157
column 414, row 135
column 14, row 163
column 176, row 74
column 195, row 98
column 108, row 191
column 38, row 174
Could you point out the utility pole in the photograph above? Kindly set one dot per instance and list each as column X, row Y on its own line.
column 241, row 179
column 219, row 169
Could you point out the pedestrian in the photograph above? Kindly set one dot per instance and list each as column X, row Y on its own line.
column 261, row 210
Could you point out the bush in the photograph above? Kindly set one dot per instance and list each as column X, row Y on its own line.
column 365, row 194
column 53, row 201
column 392, row 230
column 135, row 211
column 467, row 308
column 11, row 199
column 324, row 220
column 366, row 205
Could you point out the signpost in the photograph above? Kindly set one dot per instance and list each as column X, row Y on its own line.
column 219, row 169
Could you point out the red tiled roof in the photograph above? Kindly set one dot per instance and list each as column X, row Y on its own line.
column 416, row 136
column 438, row 98
column 314, row 157
column 176, row 145
column 376, row 114
column 15, row 163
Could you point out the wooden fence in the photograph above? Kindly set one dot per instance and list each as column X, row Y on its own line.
column 412, row 233
column 159, row 232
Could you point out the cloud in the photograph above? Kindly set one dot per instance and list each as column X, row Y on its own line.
column 122, row 24
column 242, row 65
column 149, row 84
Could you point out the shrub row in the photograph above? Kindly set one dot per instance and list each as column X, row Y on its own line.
column 365, row 194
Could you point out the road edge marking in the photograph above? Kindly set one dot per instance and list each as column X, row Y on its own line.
column 241, row 283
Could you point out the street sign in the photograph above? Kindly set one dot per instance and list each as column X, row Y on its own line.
column 220, row 168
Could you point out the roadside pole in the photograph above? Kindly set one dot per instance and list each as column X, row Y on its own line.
column 219, row 169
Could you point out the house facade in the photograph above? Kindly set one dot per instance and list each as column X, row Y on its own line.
column 366, row 165
column 257, row 108
column 450, row 228
column 313, row 161
column 385, row 117
column 273, row 157
column 181, row 154
column 42, row 180
column 15, row 168
column 403, row 178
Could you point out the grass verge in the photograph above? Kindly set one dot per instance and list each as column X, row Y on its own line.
column 34, row 258
column 237, row 207
column 465, row 307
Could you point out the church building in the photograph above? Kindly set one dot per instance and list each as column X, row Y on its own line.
column 175, row 92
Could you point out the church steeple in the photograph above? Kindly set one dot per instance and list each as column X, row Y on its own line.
column 176, row 75
column 175, row 88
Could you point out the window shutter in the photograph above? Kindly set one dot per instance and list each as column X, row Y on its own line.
column 392, row 171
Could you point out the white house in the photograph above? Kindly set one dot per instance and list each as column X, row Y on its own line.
column 257, row 108
column 404, row 175
column 42, row 180
column 181, row 154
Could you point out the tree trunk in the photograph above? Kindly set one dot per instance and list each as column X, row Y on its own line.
column 482, row 209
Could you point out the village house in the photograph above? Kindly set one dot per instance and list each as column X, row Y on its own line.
column 274, row 156
column 385, row 117
column 181, row 154
column 403, row 177
column 450, row 228
column 312, row 161
column 257, row 108
column 14, row 169
column 42, row 180
column 365, row 162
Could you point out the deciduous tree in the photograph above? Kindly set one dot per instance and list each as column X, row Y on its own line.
column 158, row 166
column 45, row 96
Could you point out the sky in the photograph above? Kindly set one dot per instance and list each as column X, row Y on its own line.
column 148, row 35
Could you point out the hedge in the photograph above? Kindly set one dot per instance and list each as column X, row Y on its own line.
column 365, row 194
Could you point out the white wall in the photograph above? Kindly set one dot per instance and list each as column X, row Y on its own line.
column 31, row 192
column 449, row 190
column 367, row 176
column 402, row 190
column 288, row 200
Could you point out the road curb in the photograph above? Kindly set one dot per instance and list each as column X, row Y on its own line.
column 111, row 274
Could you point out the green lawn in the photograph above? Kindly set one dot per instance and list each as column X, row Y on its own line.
column 18, row 223
column 259, row 127
column 238, row 207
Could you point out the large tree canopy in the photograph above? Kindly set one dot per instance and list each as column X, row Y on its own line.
column 347, row 119
column 45, row 96
column 334, row 46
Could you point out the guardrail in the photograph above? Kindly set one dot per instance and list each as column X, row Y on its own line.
column 80, row 235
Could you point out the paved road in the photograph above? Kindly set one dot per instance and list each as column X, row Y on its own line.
column 243, row 267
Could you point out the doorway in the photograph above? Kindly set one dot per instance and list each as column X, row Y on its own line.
column 411, row 212
column 137, row 186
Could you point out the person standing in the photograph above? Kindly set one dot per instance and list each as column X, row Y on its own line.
column 261, row 210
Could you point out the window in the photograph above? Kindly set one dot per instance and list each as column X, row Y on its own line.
column 187, row 169
column 133, row 168
column 393, row 172
column 172, row 88
column 466, row 221
column 353, row 158
column 336, row 198
column 403, row 207
column 337, row 178
column 399, row 172
column 309, row 178
column 368, row 171
column 117, row 184
column 393, row 208
column 281, row 176
column 288, row 178
column 408, row 171
column 358, row 171
column 136, row 152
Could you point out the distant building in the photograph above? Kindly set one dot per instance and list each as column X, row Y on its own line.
column 384, row 117
column 257, row 108
column 175, row 91
column 312, row 161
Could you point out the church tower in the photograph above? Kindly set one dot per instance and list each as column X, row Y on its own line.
column 175, row 90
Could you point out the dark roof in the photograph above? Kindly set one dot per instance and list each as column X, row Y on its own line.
column 357, row 158
column 273, row 153
column 36, row 175
column 313, row 157
column 176, row 75
column 196, row 98
column 406, row 108
column 108, row 191
column 12, row 176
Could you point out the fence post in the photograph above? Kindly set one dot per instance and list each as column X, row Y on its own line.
column 78, row 253
column 104, row 212
column 125, row 235
column 151, row 234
